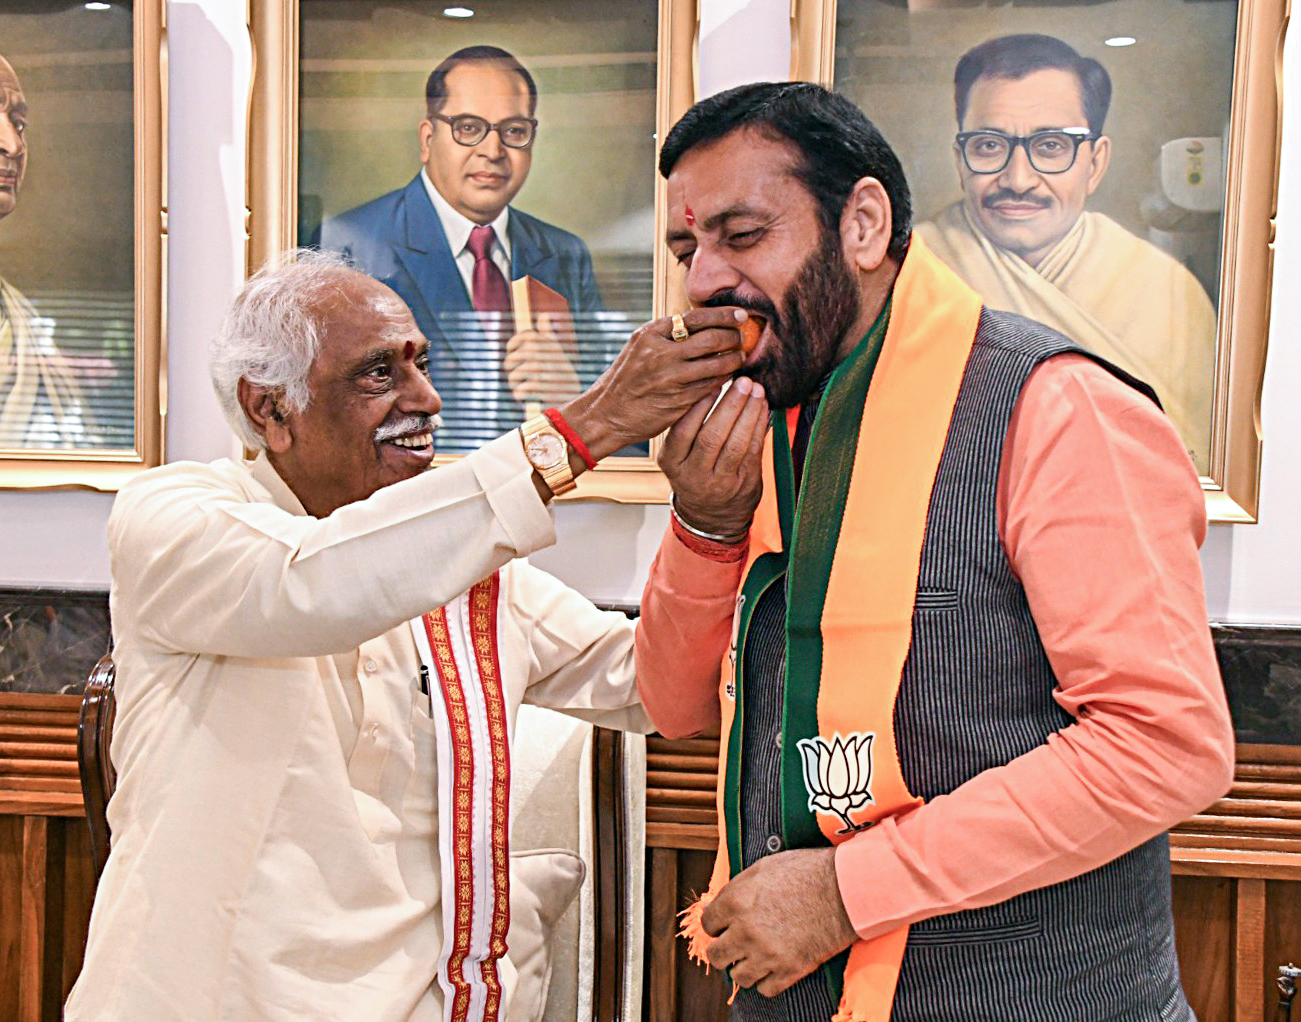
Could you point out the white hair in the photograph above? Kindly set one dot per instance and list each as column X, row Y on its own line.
column 271, row 334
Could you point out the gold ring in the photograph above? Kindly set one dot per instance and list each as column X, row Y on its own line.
column 679, row 328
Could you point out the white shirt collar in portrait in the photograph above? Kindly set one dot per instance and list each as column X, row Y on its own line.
column 457, row 229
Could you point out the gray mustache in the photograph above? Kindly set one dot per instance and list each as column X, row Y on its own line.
column 408, row 425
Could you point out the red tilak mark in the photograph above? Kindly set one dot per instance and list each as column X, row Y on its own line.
column 409, row 352
column 691, row 217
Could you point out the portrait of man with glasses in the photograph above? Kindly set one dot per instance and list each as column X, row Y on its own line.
column 449, row 243
column 1030, row 151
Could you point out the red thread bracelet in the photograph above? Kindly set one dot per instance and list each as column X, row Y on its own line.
column 572, row 438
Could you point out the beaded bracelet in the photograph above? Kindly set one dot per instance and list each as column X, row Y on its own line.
column 731, row 540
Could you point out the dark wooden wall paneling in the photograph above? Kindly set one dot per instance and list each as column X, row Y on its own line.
column 46, row 878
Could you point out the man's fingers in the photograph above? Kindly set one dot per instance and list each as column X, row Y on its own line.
column 678, row 442
column 521, row 339
column 759, row 431
column 730, row 405
column 719, row 368
column 736, row 433
column 772, row 984
column 538, row 341
column 746, row 973
column 745, row 446
column 712, row 341
column 723, row 953
column 703, row 318
column 715, row 918
column 709, row 331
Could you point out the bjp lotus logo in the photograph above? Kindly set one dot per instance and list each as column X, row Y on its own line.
column 838, row 775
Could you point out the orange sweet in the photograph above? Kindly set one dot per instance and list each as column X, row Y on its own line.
column 750, row 331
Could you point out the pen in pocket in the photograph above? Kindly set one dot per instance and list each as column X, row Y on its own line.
column 424, row 687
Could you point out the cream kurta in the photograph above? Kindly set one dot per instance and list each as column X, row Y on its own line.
column 1110, row 292
column 274, row 825
column 40, row 402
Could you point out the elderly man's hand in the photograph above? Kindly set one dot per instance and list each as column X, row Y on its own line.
column 714, row 460
column 778, row 920
column 537, row 365
column 655, row 380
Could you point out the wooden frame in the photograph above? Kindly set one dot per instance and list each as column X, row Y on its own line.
column 108, row 467
column 1231, row 480
column 273, row 172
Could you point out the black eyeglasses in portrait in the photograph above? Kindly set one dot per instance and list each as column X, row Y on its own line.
column 1050, row 152
column 469, row 130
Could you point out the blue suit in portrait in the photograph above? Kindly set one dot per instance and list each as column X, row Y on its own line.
column 399, row 239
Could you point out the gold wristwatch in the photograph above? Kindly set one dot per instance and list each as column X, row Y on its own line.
column 548, row 452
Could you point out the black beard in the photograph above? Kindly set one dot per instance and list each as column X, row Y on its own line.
column 817, row 311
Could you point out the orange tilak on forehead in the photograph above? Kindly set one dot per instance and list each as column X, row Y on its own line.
column 691, row 217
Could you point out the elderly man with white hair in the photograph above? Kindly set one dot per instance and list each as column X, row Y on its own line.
column 321, row 651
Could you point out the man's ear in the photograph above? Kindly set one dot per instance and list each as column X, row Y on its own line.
column 261, row 407
column 425, row 132
column 865, row 224
column 1099, row 162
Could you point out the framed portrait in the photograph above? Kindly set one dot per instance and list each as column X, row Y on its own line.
column 1107, row 168
column 494, row 163
column 82, row 225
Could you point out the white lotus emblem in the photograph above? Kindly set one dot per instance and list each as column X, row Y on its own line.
column 838, row 775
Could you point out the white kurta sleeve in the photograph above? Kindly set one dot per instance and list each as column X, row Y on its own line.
column 580, row 658
column 205, row 564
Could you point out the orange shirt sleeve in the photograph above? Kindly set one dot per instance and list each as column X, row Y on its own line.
column 684, row 631
column 1101, row 515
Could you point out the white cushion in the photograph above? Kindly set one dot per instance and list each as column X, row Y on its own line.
column 543, row 883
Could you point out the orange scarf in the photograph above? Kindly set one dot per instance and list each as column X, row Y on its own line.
column 851, row 769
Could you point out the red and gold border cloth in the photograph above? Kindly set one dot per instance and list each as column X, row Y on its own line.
column 468, row 707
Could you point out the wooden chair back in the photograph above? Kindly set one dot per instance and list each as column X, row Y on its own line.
column 98, row 778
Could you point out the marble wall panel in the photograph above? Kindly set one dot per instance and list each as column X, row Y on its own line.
column 50, row 639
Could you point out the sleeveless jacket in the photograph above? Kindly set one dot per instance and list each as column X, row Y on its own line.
column 977, row 692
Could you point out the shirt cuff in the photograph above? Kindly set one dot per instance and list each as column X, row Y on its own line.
column 506, row 476
column 873, row 887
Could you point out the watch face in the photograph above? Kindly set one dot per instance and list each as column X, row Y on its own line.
column 545, row 450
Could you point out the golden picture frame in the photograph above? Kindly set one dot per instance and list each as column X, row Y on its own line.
column 83, row 253
column 926, row 36
column 286, row 109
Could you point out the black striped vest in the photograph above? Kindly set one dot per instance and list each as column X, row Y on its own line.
column 976, row 693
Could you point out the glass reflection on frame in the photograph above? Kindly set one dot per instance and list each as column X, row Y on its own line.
column 347, row 151
column 1154, row 249
column 81, row 206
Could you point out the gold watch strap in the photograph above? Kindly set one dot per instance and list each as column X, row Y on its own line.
column 541, row 440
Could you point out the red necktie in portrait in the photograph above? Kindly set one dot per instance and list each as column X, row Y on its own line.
column 490, row 295
column 491, row 292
